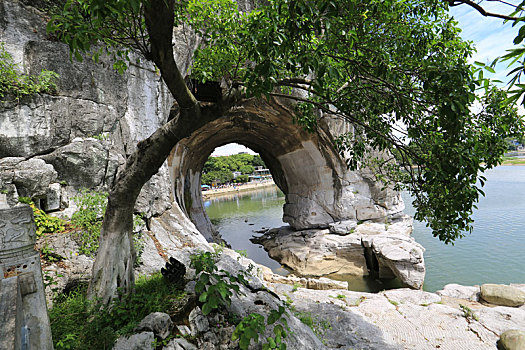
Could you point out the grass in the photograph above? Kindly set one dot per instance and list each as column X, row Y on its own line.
column 513, row 161
column 76, row 324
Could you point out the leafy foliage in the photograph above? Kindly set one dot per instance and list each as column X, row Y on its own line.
column 91, row 209
column 397, row 70
column 254, row 324
column 44, row 222
column 88, row 217
column 77, row 324
column 220, row 168
column 214, row 287
column 18, row 84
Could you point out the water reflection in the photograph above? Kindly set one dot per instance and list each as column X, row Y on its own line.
column 238, row 215
column 493, row 253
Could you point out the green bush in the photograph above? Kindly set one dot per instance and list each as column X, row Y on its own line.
column 89, row 216
column 77, row 324
column 91, row 209
column 214, row 287
column 44, row 223
column 18, row 84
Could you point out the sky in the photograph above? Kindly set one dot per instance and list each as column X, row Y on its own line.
column 491, row 37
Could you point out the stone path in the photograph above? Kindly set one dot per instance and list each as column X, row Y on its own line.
column 412, row 319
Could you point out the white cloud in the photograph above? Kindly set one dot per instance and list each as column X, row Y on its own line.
column 491, row 36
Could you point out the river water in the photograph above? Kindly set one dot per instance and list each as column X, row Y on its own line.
column 494, row 252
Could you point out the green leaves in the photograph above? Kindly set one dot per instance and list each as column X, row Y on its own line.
column 18, row 84
column 254, row 324
column 215, row 288
column 118, row 25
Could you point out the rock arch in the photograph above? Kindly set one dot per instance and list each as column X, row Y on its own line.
column 319, row 189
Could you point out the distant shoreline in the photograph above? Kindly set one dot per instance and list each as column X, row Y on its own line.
column 515, row 161
column 229, row 190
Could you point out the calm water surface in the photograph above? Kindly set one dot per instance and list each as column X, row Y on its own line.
column 238, row 216
column 494, row 252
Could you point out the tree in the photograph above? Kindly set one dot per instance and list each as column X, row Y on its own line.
column 397, row 70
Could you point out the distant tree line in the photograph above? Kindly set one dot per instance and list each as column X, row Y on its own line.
column 220, row 169
column 514, row 142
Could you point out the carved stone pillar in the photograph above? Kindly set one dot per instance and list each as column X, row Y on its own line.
column 21, row 262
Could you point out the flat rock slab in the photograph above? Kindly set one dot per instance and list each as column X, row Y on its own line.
column 408, row 319
column 460, row 292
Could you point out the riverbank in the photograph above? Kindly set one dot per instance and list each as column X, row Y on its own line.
column 237, row 188
column 513, row 161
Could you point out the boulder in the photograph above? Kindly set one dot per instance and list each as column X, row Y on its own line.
column 499, row 294
column 198, row 322
column 513, row 339
column 33, row 176
column 315, row 252
column 83, row 163
column 139, row 341
column 460, row 292
column 179, row 344
column 402, row 255
column 157, row 322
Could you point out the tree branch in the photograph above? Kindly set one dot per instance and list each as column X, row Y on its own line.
column 160, row 19
column 481, row 10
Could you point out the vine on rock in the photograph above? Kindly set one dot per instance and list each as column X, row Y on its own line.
column 215, row 288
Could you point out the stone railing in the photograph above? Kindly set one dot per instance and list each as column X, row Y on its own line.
column 23, row 312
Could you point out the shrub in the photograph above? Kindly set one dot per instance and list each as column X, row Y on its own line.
column 44, row 223
column 89, row 216
column 77, row 324
column 18, row 84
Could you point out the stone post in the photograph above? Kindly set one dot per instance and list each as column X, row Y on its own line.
column 20, row 261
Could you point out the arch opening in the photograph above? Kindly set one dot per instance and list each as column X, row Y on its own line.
column 321, row 196
column 242, row 201
column 319, row 190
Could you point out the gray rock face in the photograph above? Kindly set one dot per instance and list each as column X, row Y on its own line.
column 460, row 292
column 502, row 295
column 84, row 163
column 140, row 341
column 321, row 253
column 157, row 322
column 198, row 322
column 513, row 339
column 402, row 255
column 91, row 100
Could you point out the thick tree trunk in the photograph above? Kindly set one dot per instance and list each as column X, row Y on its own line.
column 113, row 266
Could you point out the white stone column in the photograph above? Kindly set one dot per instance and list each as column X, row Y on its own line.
column 19, row 260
